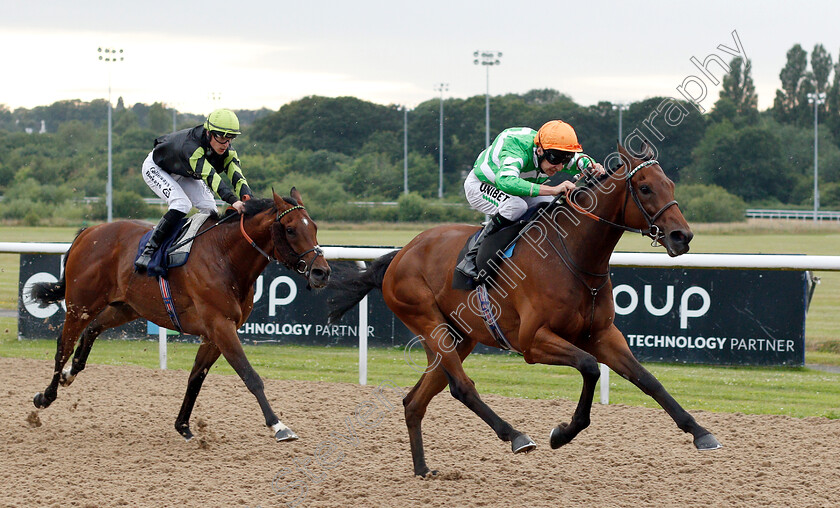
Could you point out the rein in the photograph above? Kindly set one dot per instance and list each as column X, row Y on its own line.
column 188, row 240
column 300, row 265
column 250, row 240
column 652, row 231
column 577, row 271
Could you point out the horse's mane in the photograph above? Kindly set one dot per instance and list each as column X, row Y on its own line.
column 254, row 206
column 590, row 182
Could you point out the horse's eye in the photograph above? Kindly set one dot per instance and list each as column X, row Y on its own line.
column 290, row 231
column 644, row 189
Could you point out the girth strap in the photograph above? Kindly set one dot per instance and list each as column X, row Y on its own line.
column 163, row 283
column 490, row 320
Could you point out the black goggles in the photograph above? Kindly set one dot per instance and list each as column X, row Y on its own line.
column 221, row 137
column 555, row 157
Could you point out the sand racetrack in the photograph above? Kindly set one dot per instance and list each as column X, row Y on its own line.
column 109, row 440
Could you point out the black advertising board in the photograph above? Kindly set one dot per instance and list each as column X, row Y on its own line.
column 35, row 322
column 285, row 312
column 710, row 316
column 729, row 317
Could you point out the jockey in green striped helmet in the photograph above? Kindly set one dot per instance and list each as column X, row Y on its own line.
column 223, row 121
column 185, row 169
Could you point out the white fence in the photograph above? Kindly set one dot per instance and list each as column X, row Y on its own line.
column 629, row 259
column 753, row 213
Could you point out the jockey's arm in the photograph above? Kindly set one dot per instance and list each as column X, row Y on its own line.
column 553, row 190
column 586, row 164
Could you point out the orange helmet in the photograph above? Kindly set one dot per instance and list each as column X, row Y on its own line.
column 557, row 135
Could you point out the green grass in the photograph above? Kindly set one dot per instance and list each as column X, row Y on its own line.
column 794, row 392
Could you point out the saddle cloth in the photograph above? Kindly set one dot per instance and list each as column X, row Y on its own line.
column 166, row 257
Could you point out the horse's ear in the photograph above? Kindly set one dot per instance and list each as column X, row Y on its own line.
column 279, row 202
column 625, row 156
column 621, row 149
column 647, row 151
column 295, row 194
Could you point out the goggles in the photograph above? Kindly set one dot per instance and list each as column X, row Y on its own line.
column 555, row 157
column 222, row 137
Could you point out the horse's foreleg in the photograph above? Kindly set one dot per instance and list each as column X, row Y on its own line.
column 463, row 388
column 206, row 356
column 231, row 348
column 549, row 348
column 611, row 349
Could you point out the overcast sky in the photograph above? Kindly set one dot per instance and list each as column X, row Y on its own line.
column 266, row 53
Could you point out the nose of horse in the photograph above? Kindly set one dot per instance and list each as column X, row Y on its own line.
column 319, row 277
column 679, row 240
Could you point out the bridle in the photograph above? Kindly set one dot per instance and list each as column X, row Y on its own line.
column 652, row 231
column 299, row 265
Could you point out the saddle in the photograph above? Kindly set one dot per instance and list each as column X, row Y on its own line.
column 493, row 250
column 175, row 250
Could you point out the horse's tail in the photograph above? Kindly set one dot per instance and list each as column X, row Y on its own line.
column 46, row 293
column 349, row 286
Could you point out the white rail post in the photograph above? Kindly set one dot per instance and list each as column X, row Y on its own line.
column 363, row 335
column 605, row 383
column 162, row 347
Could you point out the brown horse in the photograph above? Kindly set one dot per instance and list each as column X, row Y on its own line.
column 213, row 293
column 552, row 299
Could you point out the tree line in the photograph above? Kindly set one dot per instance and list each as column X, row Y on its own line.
column 343, row 150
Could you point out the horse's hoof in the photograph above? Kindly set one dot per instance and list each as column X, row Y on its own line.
column 426, row 473
column 186, row 434
column 558, row 436
column 40, row 401
column 707, row 442
column 285, row 435
column 522, row 444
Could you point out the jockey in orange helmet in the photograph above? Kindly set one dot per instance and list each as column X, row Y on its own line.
column 509, row 176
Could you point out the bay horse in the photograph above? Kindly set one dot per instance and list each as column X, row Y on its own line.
column 552, row 299
column 213, row 293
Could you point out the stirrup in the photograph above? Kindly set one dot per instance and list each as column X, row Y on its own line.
column 142, row 262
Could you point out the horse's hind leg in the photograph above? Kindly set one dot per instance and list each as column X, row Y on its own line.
column 70, row 330
column 416, row 402
column 206, row 356
column 612, row 350
column 111, row 317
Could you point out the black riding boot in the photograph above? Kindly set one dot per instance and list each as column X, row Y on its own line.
column 159, row 235
column 467, row 265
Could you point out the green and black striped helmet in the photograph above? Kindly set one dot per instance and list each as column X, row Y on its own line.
column 224, row 121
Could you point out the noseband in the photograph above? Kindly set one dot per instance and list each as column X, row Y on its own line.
column 652, row 231
column 299, row 265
